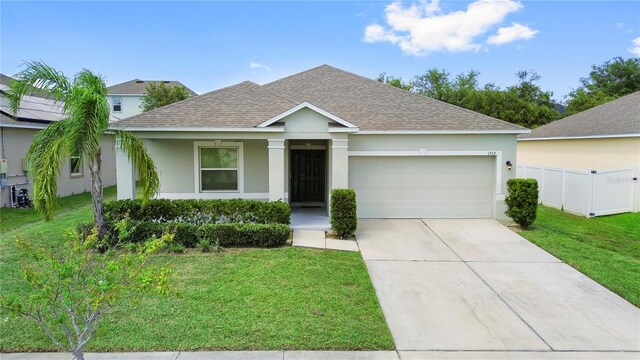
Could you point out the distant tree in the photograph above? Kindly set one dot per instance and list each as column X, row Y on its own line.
column 394, row 81
column 614, row 78
column 158, row 95
column 435, row 84
column 524, row 104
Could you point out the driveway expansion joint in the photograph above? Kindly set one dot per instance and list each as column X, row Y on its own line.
column 491, row 288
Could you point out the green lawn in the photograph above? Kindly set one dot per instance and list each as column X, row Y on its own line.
column 240, row 299
column 607, row 249
column 13, row 218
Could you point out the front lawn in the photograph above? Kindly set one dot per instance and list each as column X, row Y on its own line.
column 240, row 299
column 607, row 249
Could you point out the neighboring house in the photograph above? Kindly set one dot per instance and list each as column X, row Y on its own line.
column 125, row 99
column 16, row 134
column 295, row 139
column 606, row 136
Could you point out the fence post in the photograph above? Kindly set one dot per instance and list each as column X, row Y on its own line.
column 591, row 194
column 562, row 186
column 542, row 184
column 636, row 189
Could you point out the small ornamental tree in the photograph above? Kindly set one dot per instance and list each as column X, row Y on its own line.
column 344, row 219
column 74, row 286
column 158, row 95
column 522, row 201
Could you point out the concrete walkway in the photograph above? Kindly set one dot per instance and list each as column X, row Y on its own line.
column 317, row 239
column 475, row 286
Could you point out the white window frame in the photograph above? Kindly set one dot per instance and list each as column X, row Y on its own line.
column 75, row 174
column 113, row 104
column 197, row 145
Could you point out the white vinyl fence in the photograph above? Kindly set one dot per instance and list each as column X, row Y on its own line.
column 586, row 192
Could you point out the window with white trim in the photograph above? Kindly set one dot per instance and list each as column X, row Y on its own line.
column 75, row 166
column 219, row 168
column 117, row 104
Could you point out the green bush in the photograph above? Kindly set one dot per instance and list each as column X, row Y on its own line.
column 200, row 211
column 262, row 235
column 522, row 201
column 344, row 219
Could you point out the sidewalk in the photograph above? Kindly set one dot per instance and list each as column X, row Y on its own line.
column 331, row 355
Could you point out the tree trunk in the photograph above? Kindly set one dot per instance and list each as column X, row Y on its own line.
column 79, row 355
column 96, row 193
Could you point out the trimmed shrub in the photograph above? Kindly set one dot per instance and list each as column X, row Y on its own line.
column 226, row 223
column 200, row 211
column 522, row 201
column 262, row 235
column 344, row 219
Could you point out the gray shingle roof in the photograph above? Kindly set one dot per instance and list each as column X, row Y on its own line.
column 243, row 105
column 617, row 117
column 367, row 103
column 138, row 87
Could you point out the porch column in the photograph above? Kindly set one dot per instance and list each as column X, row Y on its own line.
column 125, row 174
column 339, row 163
column 276, row 169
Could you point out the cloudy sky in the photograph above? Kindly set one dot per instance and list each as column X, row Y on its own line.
column 207, row 45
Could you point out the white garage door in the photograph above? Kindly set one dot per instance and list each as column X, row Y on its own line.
column 423, row 187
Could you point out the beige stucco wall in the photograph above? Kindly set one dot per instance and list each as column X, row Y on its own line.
column 581, row 153
column 175, row 163
column 16, row 141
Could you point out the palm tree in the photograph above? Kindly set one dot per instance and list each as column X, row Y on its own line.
column 79, row 133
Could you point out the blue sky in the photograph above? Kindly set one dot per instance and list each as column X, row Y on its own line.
column 207, row 45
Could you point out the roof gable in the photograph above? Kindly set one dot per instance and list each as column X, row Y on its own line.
column 617, row 117
column 372, row 105
column 306, row 105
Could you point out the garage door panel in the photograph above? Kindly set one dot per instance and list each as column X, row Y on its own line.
column 423, row 187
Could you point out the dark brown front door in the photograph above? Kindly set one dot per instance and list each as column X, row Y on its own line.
column 307, row 176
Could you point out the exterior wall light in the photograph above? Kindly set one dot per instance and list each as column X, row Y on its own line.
column 509, row 165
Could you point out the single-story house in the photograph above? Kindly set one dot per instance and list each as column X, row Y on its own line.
column 296, row 138
column 603, row 137
column 16, row 134
column 125, row 99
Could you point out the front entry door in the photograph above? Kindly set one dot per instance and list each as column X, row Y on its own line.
column 307, row 176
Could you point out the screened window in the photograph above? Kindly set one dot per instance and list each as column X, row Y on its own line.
column 219, row 169
column 76, row 166
column 117, row 104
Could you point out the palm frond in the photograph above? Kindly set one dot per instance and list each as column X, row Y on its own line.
column 89, row 113
column 142, row 161
column 44, row 157
column 38, row 77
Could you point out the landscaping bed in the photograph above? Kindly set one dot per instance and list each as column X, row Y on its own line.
column 228, row 223
column 237, row 299
column 607, row 249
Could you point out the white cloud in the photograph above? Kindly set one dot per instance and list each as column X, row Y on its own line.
column 512, row 33
column 635, row 49
column 421, row 28
column 255, row 65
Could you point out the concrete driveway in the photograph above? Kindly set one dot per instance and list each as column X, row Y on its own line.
column 447, row 285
